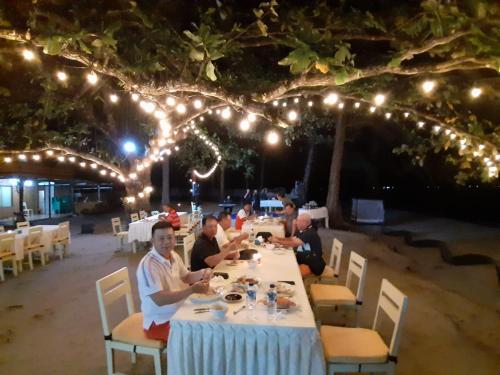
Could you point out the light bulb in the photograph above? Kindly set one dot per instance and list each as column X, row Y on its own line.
column 170, row 101
column 36, row 157
column 21, row 157
column 341, row 105
column 92, row 78
column 160, row 115
column 331, row 99
column 244, row 125
column 61, row 76
column 284, row 104
column 135, row 97
column 113, row 98
column 428, row 86
column 60, row 158
column 83, row 164
column 133, row 176
column 226, row 113
column 292, row 115
column 406, row 114
column 8, row 159
column 93, row 166
column 357, row 104
column 71, row 159
column 148, row 189
column 275, row 103
column 379, row 99
column 388, row 115
column 296, row 100
column 420, row 124
column 272, row 137
column 148, row 107
column 372, row 109
column 252, row 117
column 28, row 55
column 198, row 104
column 103, row 172
column 475, row 92
column 310, row 103
column 49, row 152
column 180, row 108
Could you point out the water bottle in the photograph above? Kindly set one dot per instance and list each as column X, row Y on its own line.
column 251, row 296
column 272, row 296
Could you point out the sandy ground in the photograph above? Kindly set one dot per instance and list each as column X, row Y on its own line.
column 49, row 320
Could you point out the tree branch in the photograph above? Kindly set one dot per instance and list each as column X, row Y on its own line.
column 408, row 55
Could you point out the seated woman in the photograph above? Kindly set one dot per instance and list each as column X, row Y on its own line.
column 243, row 215
column 307, row 245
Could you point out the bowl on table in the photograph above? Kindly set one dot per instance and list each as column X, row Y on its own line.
column 218, row 310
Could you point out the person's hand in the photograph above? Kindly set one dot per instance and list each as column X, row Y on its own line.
column 244, row 236
column 206, row 274
column 200, row 287
column 236, row 255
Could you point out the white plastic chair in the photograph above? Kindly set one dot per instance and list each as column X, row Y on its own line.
column 187, row 245
column 7, row 253
column 332, row 269
column 61, row 240
column 34, row 245
column 27, row 212
column 143, row 214
column 120, row 234
column 364, row 350
column 128, row 335
column 134, row 217
column 22, row 224
column 324, row 295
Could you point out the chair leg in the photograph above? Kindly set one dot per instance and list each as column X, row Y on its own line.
column 42, row 258
column 2, row 274
column 157, row 360
column 110, row 360
column 14, row 267
column 134, row 247
column 20, row 266
column 357, row 316
column 30, row 260
column 133, row 357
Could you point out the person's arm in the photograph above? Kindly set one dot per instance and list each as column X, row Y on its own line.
column 288, row 242
column 166, row 297
column 193, row 277
column 215, row 259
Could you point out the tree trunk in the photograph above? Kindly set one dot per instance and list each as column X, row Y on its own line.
column 165, row 182
column 308, row 168
column 134, row 189
column 333, row 198
column 262, row 169
column 222, row 182
column 21, row 195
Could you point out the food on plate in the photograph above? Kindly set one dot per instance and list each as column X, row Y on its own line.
column 233, row 297
column 283, row 303
column 284, row 288
column 246, row 280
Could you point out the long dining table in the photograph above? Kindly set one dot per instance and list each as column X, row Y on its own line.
column 250, row 342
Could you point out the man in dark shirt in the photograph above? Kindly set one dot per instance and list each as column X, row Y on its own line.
column 206, row 251
column 307, row 246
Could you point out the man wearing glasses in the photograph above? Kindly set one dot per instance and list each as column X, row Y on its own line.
column 164, row 282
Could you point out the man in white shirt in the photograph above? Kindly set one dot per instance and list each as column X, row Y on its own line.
column 223, row 228
column 164, row 282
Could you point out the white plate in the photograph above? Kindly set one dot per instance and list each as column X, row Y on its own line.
column 285, row 289
column 203, row 298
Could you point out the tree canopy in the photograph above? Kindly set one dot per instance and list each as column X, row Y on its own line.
column 252, row 59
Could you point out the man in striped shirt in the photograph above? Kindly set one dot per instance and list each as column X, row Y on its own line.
column 164, row 282
column 172, row 217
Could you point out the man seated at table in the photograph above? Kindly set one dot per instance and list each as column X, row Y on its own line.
column 243, row 215
column 224, row 228
column 307, row 245
column 164, row 282
column 172, row 217
column 289, row 219
column 206, row 251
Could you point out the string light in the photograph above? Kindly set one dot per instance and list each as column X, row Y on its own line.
column 296, row 100
column 180, row 108
column 71, row 159
column 61, row 76
column 275, row 103
column 7, row 159
column 170, row 101
column 388, row 115
column 406, row 114
column 420, row 124
column 292, row 115
column 428, row 86
column 284, row 104
column 60, row 158
column 226, row 113
column 148, row 107
column 357, row 105
column 148, row 189
column 36, row 157
column 22, row 157
column 92, row 78
column 437, row 128
column 272, row 137
column 28, row 55
column 135, row 97
column 103, row 172
column 310, row 103
column 341, row 105
column 140, row 194
column 160, row 115
column 93, row 166
column 83, row 164
column 244, row 125
column 372, row 109
column 379, row 99
column 331, row 99
column 198, row 104
column 113, row 98
column 476, row 92
column 133, row 176
column 252, row 117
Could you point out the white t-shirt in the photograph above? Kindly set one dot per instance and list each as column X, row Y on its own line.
column 242, row 214
column 155, row 273
column 221, row 236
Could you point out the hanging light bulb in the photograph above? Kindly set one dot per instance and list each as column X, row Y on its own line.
column 202, row 118
column 133, row 176
column 341, row 105
column 453, row 136
column 168, row 151
column 476, row 92
column 49, row 152
column 36, row 157
column 170, row 101
column 275, row 103
column 331, row 99
column 176, row 148
column 160, row 115
column 198, row 104
column 61, row 76
column 372, row 109
column 83, row 164
column 357, row 104
column 148, row 189
column 406, row 114
column 112, row 174
column 28, row 55
column 437, row 128
column 388, row 115
column 428, row 86
column 209, row 111
column 92, row 78
column 21, row 157
column 379, row 99
column 284, row 104
column 180, row 108
column 60, row 158
column 71, row 159
column 93, row 166
column 272, row 137
column 244, row 125
column 292, row 115
column 113, row 98
column 148, row 107
column 296, row 100
column 7, row 159
column 310, row 103
column 103, row 172
column 420, row 124
column 252, row 117
column 226, row 113
column 135, row 97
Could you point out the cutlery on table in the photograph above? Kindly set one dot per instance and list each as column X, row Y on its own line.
column 237, row 311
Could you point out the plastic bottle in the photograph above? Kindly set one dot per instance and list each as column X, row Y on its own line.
column 251, row 296
column 271, row 297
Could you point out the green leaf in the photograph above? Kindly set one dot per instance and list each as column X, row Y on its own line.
column 193, row 37
column 262, row 27
column 54, row 46
column 210, row 71
column 97, row 43
column 196, row 55
column 258, row 13
column 395, row 62
column 342, row 55
column 84, row 47
column 299, row 59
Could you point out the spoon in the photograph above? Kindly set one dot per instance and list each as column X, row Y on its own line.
column 241, row 308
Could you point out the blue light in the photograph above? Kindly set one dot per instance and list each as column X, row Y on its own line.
column 129, row 147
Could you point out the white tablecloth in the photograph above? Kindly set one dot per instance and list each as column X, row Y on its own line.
column 141, row 230
column 240, row 345
column 276, row 229
column 49, row 231
column 316, row 213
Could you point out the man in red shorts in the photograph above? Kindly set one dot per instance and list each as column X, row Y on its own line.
column 164, row 282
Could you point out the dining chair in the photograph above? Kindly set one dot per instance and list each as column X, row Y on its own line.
column 134, row 217
column 22, row 224
column 143, row 214
column 128, row 335
column 7, row 253
column 34, row 245
column 349, row 349
column 324, row 295
column 187, row 245
column 120, row 234
column 61, row 240
column 332, row 270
